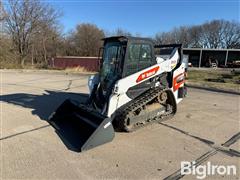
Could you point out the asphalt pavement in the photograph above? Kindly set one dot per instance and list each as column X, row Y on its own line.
column 205, row 129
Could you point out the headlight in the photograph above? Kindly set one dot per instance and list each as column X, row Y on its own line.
column 115, row 89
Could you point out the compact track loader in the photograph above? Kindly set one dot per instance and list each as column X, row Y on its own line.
column 138, row 83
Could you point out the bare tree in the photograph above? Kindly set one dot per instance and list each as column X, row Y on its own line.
column 177, row 35
column 118, row 32
column 2, row 18
column 195, row 34
column 121, row 32
column 230, row 32
column 24, row 19
column 86, row 40
column 69, row 44
column 164, row 38
column 213, row 34
column 220, row 34
column 45, row 44
column 2, row 12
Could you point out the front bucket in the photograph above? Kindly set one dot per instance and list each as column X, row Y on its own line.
column 80, row 126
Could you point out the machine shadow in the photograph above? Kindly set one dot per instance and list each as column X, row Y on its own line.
column 44, row 105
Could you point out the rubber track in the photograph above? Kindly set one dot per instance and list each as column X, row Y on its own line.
column 122, row 113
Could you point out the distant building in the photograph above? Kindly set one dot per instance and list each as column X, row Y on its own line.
column 199, row 57
column 63, row 62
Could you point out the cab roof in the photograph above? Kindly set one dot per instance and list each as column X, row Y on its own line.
column 127, row 38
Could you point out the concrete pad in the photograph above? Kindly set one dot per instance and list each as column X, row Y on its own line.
column 32, row 149
column 210, row 115
column 152, row 152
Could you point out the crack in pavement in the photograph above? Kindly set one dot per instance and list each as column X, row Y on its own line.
column 208, row 142
column 177, row 174
column 27, row 81
column 24, row 132
column 222, row 147
column 51, row 89
column 69, row 85
column 229, row 152
column 232, row 140
column 216, row 148
column 37, row 87
column 30, row 80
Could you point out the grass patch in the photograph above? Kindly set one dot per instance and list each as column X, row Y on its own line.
column 9, row 65
column 221, row 79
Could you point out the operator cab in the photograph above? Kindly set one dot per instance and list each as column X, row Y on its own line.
column 129, row 53
column 122, row 56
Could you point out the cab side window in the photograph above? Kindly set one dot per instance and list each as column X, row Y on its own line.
column 139, row 57
column 145, row 59
column 146, row 53
column 134, row 52
column 133, row 58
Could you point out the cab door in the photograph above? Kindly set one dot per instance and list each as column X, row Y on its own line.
column 139, row 57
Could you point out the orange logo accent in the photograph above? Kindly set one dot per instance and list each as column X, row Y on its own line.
column 147, row 74
column 178, row 81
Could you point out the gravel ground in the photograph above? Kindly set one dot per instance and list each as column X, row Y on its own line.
column 32, row 149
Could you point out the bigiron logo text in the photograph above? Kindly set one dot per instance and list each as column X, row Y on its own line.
column 208, row 169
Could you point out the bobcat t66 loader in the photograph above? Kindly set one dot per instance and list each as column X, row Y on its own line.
column 138, row 83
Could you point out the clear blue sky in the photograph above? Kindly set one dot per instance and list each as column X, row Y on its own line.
column 145, row 17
